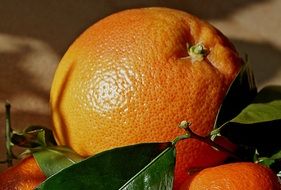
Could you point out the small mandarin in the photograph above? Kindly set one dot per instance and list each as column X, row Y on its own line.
column 26, row 175
column 234, row 176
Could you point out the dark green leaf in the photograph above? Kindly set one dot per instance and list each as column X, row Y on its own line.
column 158, row 174
column 131, row 167
column 240, row 93
column 53, row 159
column 259, row 124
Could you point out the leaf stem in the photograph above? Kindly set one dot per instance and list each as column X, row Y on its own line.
column 207, row 139
column 8, row 134
column 182, row 125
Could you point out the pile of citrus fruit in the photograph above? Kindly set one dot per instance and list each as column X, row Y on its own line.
column 132, row 78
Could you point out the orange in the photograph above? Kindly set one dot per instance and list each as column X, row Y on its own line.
column 234, row 176
column 129, row 79
column 26, row 175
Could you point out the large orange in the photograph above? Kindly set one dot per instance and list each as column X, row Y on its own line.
column 129, row 79
column 234, row 176
column 26, row 175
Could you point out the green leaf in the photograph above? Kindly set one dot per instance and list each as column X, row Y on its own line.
column 265, row 108
column 276, row 156
column 33, row 136
column 270, row 161
column 133, row 167
column 259, row 124
column 266, row 161
column 53, row 159
column 240, row 93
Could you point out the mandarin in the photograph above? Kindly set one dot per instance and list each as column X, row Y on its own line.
column 233, row 176
column 26, row 175
column 132, row 78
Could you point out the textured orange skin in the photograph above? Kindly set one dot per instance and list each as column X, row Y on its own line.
column 234, row 176
column 128, row 79
column 26, row 175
